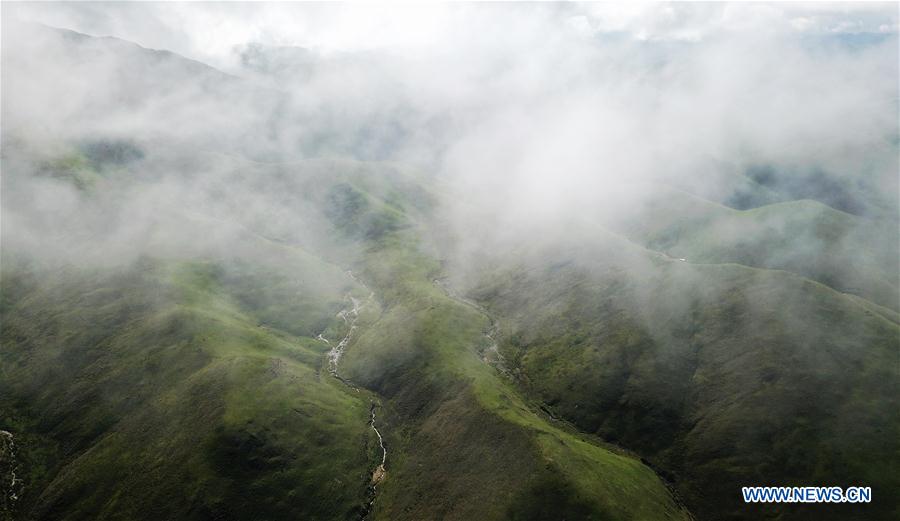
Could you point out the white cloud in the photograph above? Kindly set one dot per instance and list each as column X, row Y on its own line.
column 209, row 31
column 557, row 101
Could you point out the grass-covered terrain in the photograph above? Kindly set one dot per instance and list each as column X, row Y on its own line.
column 199, row 378
column 720, row 375
column 167, row 308
column 850, row 253
column 164, row 391
column 634, row 378
column 470, row 446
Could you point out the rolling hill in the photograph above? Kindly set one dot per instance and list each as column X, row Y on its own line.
column 209, row 317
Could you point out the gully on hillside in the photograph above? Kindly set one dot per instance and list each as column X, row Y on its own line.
column 351, row 317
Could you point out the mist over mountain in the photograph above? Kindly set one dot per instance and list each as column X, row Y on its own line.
column 463, row 261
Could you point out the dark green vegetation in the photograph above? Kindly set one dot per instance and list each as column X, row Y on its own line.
column 849, row 253
column 471, row 447
column 721, row 375
column 154, row 391
column 160, row 359
column 194, row 373
column 727, row 347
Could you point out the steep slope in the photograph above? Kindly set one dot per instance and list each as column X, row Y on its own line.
column 722, row 376
column 162, row 390
column 464, row 444
column 849, row 253
column 235, row 413
column 866, row 188
column 176, row 363
column 108, row 87
column 470, row 446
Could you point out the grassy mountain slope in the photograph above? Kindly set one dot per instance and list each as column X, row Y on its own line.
column 720, row 375
column 690, row 366
column 849, row 253
column 471, row 446
column 99, row 81
column 235, row 416
column 162, row 391
column 171, row 369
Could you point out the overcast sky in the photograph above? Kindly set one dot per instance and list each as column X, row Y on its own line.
column 210, row 31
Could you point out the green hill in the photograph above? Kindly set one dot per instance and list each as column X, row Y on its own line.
column 720, row 375
column 165, row 377
column 471, row 446
column 196, row 374
column 849, row 253
column 196, row 324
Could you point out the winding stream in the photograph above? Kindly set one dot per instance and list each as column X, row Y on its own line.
column 491, row 355
column 11, row 487
column 350, row 318
column 379, row 473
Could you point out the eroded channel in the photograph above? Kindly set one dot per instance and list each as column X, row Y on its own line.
column 350, row 317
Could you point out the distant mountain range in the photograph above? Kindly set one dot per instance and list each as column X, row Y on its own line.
column 175, row 289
